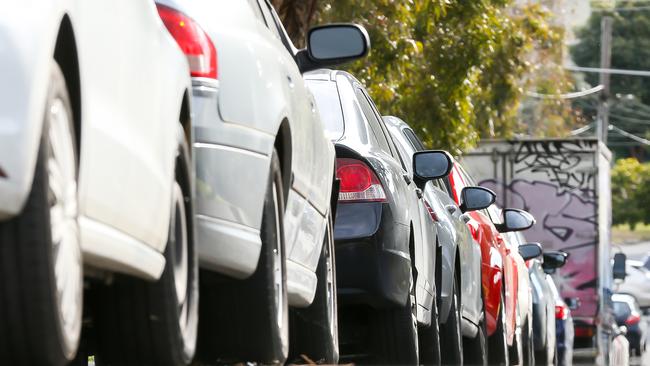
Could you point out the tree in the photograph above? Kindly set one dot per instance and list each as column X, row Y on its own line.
column 630, row 200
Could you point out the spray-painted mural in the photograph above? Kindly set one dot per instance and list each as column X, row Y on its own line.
column 555, row 181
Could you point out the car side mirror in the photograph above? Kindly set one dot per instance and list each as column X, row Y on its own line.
column 476, row 198
column 333, row 44
column 515, row 220
column 618, row 269
column 431, row 164
column 572, row 302
column 530, row 250
column 554, row 260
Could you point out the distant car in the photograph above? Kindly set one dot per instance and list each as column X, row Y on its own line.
column 628, row 313
column 564, row 327
column 264, row 180
column 499, row 270
column 456, row 246
column 95, row 185
column 636, row 283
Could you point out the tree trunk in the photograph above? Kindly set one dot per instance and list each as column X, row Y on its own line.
column 296, row 15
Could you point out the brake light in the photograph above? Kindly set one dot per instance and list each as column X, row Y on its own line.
column 193, row 41
column 433, row 215
column 561, row 312
column 358, row 182
column 633, row 319
column 584, row 332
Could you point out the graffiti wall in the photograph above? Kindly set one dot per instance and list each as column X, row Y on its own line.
column 556, row 181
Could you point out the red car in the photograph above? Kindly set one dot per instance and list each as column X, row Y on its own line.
column 499, row 264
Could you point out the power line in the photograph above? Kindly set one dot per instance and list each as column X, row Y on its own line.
column 608, row 70
column 629, row 135
column 572, row 95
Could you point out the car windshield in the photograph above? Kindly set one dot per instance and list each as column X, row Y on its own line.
column 329, row 107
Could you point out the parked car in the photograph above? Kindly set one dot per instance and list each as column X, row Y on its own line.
column 499, row 272
column 636, row 283
column 544, row 313
column 628, row 313
column 455, row 247
column 564, row 326
column 95, row 183
column 265, row 172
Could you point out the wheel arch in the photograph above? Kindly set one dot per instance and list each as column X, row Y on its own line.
column 283, row 146
column 66, row 56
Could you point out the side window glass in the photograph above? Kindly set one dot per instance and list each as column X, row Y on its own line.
column 391, row 144
column 372, row 120
column 414, row 140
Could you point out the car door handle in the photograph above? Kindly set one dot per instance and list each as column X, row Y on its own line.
column 290, row 80
column 407, row 178
column 451, row 208
column 465, row 217
column 418, row 192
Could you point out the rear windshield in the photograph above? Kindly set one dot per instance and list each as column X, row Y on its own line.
column 329, row 107
column 621, row 308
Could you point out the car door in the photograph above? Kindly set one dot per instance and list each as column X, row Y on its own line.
column 130, row 117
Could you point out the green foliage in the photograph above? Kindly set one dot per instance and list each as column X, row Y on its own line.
column 630, row 192
column 453, row 69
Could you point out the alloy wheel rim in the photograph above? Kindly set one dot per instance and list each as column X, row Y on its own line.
column 180, row 257
column 64, row 229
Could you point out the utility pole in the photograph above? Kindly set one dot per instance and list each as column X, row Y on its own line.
column 605, row 63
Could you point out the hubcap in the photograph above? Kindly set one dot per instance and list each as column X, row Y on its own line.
column 277, row 262
column 180, row 256
column 62, row 199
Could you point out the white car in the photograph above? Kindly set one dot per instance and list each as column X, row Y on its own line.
column 636, row 283
column 95, row 184
column 265, row 172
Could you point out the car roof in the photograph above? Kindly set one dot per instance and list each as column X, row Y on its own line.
column 624, row 298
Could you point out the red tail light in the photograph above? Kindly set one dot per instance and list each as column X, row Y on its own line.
column 432, row 213
column 193, row 41
column 584, row 332
column 633, row 319
column 561, row 312
column 358, row 182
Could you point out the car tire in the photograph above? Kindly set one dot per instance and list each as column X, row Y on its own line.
column 247, row 320
column 155, row 323
column 41, row 272
column 314, row 330
column 429, row 339
column 527, row 343
column 451, row 338
column 475, row 349
column 394, row 333
column 516, row 350
column 497, row 343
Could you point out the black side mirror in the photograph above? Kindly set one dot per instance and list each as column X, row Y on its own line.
column 530, row 250
column 333, row 44
column 618, row 270
column 515, row 220
column 554, row 260
column 476, row 198
column 431, row 164
column 572, row 302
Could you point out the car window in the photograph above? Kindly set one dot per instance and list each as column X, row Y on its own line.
column 404, row 150
column 413, row 139
column 375, row 127
column 389, row 138
column 621, row 308
column 329, row 106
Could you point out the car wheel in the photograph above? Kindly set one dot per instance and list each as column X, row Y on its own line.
column 247, row 320
column 527, row 343
column 497, row 344
column 394, row 333
column 429, row 339
column 451, row 337
column 155, row 323
column 314, row 330
column 475, row 349
column 41, row 274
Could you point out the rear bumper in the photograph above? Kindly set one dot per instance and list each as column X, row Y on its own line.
column 373, row 264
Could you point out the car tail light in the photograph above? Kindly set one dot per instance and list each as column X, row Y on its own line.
column 432, row 213
column 633, row 319
column 561, row 312
column 193, row 41
column 584, row 332
column 358, row 182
